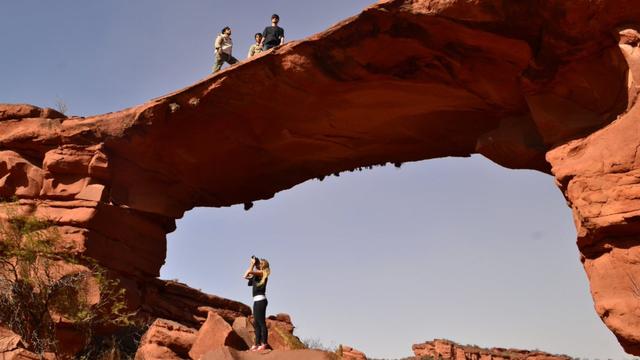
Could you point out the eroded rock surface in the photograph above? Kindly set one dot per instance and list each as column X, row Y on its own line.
column 405, row 80
column 215, row 333
column 600, row 177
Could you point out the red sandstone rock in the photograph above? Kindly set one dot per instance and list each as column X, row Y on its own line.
column 227, row 353
column 243, row 327
column 9, row 340
column 349, row 353
column 19, row 177
column 68, row 159
column 228, row 315
column 156, row 352
column 21, row 111
column 177, row 301
column 284, row 318
column 166, row 339
column 513, row 80
column 215, row 333
column 281, row 334
column 599, row 175
column 12, row 347
column 449, row 350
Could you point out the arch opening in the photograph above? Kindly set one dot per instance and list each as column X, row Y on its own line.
column 382, row 259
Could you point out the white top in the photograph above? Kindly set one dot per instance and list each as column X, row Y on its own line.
column 225, row 43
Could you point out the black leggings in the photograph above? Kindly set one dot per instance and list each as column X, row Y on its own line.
column 260, row 321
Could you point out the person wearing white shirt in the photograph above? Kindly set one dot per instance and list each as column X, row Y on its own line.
column 224, row 49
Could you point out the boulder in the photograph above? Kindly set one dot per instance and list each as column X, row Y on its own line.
column 156, row 352
column 166, row 340
column 215, row 333
column 280, row 332
column 281, row 335
column 243, row 327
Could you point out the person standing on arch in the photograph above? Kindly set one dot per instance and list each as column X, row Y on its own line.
column 256, row 48
column 273, row 35
column 223, row 49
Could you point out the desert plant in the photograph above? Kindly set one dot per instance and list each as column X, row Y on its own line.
column 41, row 285
column 313, row 343
column 121, row 345
column 61, row 105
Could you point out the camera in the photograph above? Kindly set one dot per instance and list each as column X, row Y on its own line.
column 256, row 261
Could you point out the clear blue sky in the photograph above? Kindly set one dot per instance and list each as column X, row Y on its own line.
column 381, row 259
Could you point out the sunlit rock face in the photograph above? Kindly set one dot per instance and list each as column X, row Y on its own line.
column 449, row 350
column 600, row 177
column 546, row 85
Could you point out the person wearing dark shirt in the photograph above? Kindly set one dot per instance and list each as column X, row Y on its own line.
column 273, row 35
column 258, row 275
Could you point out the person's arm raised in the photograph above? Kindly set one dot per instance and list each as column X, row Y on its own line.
column 256, row 273
column 249, row 272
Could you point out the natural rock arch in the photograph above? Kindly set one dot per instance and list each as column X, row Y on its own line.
column 546, row 85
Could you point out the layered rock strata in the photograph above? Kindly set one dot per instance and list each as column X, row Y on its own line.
column 449, row 350
column 546, row 85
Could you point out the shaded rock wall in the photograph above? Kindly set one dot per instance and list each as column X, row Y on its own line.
column 405, row 80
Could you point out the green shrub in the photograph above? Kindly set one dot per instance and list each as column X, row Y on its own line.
column 37, row 290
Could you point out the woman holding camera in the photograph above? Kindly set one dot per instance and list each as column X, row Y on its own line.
column 258, row 275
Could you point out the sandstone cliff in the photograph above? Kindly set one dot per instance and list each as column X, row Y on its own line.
column 548, row 85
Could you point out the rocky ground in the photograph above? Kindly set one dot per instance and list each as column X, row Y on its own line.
column 218, row 339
